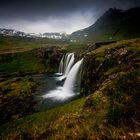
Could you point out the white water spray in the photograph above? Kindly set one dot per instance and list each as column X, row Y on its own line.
column 66, row 64
column 60, row 69
column 70, row 64
column 67, row 91
column 71, row 78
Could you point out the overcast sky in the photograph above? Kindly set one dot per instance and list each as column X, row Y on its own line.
column 38, row 16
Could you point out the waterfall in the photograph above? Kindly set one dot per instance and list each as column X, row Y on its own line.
column 66, row 64
column 68, row 57
column 71, row 78
column 70, row 64
column 60, row 69
column 70, row 72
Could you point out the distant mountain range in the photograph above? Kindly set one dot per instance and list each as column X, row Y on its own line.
column 11, row 32
column 55, row 35
column 115, row 24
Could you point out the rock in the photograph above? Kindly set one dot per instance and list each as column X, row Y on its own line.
column 61, row 82
column 89, row 103
column 98, row 44
column 118, row 55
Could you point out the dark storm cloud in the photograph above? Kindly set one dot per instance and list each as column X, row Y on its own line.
column 30, row 9
column 15, row 12
column 34, row 9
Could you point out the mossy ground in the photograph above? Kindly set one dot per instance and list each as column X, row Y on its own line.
column 16, row 98
column 109, row 110
column 22, row 62
column 11, row 44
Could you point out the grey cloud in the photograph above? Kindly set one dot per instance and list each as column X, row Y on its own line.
column 39, row 8
column 15, row 12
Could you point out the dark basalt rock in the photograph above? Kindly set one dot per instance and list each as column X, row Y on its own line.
column 98, row 44
column 95, row 66
column 61, row 82
column 89, row 103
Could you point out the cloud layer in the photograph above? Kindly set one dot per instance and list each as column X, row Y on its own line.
column 53, row 15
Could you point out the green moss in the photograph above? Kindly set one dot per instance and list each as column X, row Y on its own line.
column 9, row 44
column 21, row 62
column 16, row 99
column 114, row 89
column 123, row 102
column 16, row 88
column 37, row 123
column 96, row 98
column 26, row 62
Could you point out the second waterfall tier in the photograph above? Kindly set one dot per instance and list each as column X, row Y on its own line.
column 66, row 64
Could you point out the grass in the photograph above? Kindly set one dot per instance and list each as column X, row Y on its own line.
column 72, row 47
column 20, row 44
column 39, row 122
column 123, row 98
column 15, row 44
column 22, row 62
column 132, row 44
column 16, row 87
column 111, row 109
column 16, row 98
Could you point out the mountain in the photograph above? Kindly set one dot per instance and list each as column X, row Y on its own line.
column 53, row 35
column 11, row 32
column 115, row 24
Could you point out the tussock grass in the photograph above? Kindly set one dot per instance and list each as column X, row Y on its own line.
column 110, row 111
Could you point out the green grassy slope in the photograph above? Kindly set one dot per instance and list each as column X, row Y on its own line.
column 110, row 110
column 22, row 62
column 29, row 55
column 17, row 44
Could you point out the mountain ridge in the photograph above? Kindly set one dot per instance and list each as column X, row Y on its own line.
column 16, row 33
column 114, row 24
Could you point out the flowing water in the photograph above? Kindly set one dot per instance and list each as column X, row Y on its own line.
column 61, row 86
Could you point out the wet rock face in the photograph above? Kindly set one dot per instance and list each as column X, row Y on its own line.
column 43, row 52
column 51, row 55
column 95, row 66
column 46, row 53
column 117, row 55
column 89, row 74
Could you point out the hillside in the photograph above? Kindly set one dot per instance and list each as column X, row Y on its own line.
column 115, row 24
column 109, row 103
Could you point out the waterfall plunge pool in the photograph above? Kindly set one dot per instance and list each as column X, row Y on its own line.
column 62, row 86
column 51, row 92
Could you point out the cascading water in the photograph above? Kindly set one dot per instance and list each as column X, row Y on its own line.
column 71, row 78
column 68, row 56
column 61, row 69
column 67, row 91
column 69, row 65
column 66, row 64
